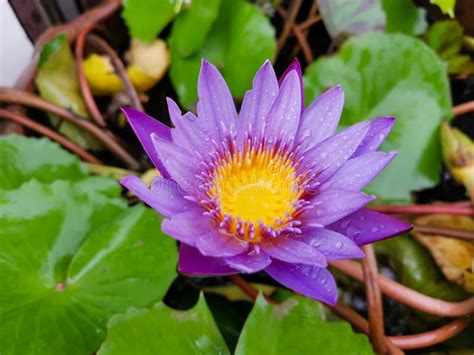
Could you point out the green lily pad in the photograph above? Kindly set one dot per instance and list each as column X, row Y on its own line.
column 192, row 25
column 71, row 255
column 57, row 83
column 295, row 327
column 162, row 330
column 23, row 159
column 391, row 75
column 147, row 18
column 238, row 43
column 404, row 17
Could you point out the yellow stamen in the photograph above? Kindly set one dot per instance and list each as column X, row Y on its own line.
column 257, row 186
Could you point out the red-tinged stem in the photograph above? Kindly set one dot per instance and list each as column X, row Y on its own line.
column 18, row 97
column 425, row 209
column 406, row 295
column 463, row 108
column 460, row 234
column 104, row 47
column 45, row 131
column 289, row 22
column 83, row 84
column 374, row 299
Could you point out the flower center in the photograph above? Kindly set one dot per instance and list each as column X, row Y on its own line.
column 256, row 193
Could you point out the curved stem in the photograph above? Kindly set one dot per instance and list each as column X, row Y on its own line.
column 425, row 209
column 103, row 46
column 83, row 84
column 460, row 234
column 406, row 295
column 374, row 299
column 45, row 131
column 463, row 108
column 18, row 97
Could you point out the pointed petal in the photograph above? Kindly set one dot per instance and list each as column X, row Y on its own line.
column 257, row 102
column 359, row 171
column 187, row 226
column 284, row 116
column 193, row 263
column 217, row 244
column 331, row 244
column 319, row 121
column 164, row 195
column 293, row 251
column 143, row 126
column 177, row 162
column 329, row 155
column 311, row 281
column 379, row 129
column 332, row 205
column 249, row 262
column 294, row 65
column 366, row 226
column 188, row 132
column 215, row 102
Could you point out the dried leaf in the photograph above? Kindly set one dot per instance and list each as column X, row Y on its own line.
column 455, row 257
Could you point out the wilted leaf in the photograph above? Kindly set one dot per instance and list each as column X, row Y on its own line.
column 416, row 269
column 446, row 6
column 147, row 18
column 240, row 40
column 458, row 155
column 162, row 330
column 148, row 63
column 57, row 82
column 101, row 76
column 455, row 257
column 295, row 327
column 391, row 75
column 23, row 159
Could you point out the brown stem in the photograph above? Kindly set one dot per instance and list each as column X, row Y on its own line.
column 463, row 108
column 17, row 97
column 361, row 323
column 425, row 209
column 247, row 288
column 104, row 47
column 309, row 22
column 83, row 84
column 374, row 299
column 461, row 234
column 308, row 54
column 433, row 337
column 45, row 131
column 406, row 295
column 72, row 30
column 289, row 22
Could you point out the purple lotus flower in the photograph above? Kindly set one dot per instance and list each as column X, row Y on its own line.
column 272, row 188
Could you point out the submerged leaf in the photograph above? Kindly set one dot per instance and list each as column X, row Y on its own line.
column 295, row 327
column 58, row 83
column 455, row 257
column 369, row 69
column 162, row 330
